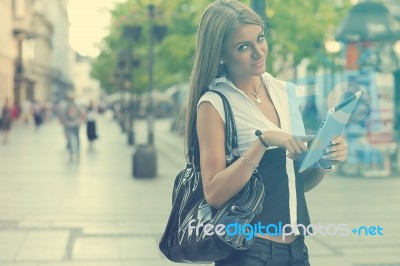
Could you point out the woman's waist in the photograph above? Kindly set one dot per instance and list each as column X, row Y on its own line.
column 287, row 239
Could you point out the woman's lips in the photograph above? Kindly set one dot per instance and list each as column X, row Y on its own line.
column 259, row 63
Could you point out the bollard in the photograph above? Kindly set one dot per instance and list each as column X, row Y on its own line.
column 131, row 138
column 121, row 124
column 145, row 161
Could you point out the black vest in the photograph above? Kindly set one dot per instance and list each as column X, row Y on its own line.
column 272, row 168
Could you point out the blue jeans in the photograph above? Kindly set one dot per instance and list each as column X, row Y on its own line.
column 73, row 132
column 268, row 253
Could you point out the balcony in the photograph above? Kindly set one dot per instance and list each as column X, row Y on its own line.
column 22, row 27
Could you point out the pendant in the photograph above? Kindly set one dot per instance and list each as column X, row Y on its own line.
column 258, row 100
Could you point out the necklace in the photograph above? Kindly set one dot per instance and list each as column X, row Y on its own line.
column 255, row 93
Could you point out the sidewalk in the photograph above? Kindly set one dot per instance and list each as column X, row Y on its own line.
column 59, row 213
column 92, row 212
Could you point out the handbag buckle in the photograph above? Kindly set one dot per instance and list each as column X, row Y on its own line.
column 187, row 173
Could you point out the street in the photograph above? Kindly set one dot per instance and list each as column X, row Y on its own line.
column 54, row 212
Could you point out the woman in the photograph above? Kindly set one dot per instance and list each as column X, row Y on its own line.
column 5, row 121
column 230, row 57
column 91, row 132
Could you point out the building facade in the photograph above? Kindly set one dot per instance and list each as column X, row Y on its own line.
column 42, row 61
column 42, row 55
column 87, row 89
column 24, row 43
column 62, row 55
column 7, row 52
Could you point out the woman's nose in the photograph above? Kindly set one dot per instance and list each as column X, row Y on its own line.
column 257, row 52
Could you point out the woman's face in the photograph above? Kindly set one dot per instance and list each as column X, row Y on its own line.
column 245, row 52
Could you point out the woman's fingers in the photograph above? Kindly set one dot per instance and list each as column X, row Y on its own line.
column 337, row 152
column 301, row 145
column 335, row 148
column 338, row 140
column 306, row 138
column 293, row 144
column 332, row 155
column 336, row 157
column 290, row 149
column 298, row 147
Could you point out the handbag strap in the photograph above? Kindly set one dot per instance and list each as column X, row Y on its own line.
column 231, row 139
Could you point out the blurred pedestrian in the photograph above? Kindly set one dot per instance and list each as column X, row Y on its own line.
column 15, row 111
column 5, row 121
column 91, row 131
column 26, row 111
column 71, row 118
column 37, row 113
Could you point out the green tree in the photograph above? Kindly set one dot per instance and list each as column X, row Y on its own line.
column 173, row 55
column 298, row 29
column 101, row 71
column 295, row 30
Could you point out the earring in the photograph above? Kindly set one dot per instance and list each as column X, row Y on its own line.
column 221, row 62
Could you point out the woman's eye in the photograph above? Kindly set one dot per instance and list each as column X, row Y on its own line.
column 261, row 38
column 243, row 47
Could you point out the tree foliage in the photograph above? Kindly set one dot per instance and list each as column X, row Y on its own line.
column 296, row 30
column 173, row 55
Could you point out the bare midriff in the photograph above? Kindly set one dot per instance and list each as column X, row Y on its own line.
column 288, row 239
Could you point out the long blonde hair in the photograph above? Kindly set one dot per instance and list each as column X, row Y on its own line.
column 218, row 22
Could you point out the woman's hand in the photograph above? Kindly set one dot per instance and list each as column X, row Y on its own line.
column 336, row 153
column 293, row 144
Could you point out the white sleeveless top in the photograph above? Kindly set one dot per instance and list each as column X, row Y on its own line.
column 249, row 118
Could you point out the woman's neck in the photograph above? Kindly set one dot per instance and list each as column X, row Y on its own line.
column 245, row 83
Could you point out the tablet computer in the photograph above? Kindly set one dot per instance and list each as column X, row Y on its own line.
column 331, row 127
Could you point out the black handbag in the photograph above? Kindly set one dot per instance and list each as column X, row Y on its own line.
column 181, row 242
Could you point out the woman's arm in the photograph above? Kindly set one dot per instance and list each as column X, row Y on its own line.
column 221, row 183
column 312, row 177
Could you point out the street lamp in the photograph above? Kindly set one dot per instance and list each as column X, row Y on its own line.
column 118, row 79
column 19, row 68
column 332, row 47
column 158, row 32
column 131, row 34
column 396, row 76
column 145, row 158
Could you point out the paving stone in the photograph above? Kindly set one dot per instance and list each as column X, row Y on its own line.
column 10, row 243
column 42, row 246
column 96, row 248
column 93, row 212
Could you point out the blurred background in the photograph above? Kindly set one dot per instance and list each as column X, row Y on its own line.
column 91, row 93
